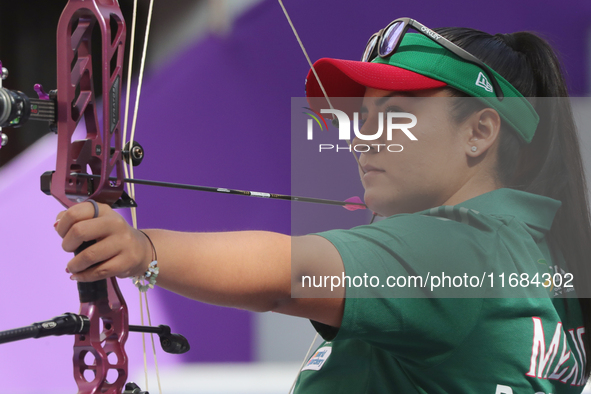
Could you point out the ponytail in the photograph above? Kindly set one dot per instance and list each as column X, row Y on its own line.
column 551, row 165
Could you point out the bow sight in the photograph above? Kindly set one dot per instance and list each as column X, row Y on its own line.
column 3, row 76
column 16, row 107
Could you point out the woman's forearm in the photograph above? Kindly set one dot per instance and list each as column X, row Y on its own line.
column 246, row 269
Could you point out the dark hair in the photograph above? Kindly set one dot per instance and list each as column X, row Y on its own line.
column 551, row 164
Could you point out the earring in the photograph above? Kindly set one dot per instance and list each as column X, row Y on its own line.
column 474, row 149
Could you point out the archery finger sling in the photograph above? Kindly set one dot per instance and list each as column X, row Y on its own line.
column 87, row 244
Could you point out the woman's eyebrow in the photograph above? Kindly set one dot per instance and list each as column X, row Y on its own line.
column 382, row 100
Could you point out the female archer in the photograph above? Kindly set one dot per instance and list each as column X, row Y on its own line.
column 493, row 188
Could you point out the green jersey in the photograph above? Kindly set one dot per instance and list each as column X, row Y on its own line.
column 479, row 342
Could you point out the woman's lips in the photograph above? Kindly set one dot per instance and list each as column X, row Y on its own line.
column 371, row 170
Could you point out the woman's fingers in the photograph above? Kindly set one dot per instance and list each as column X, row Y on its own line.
column 107, row 269
column 96, row 253
column 77, row 213
column 120, row 254
column 93, row 229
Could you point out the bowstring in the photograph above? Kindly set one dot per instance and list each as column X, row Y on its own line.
column 348, row 142
column 297, row 36
column 131, row 186
column 128, row 167
column 303, row 363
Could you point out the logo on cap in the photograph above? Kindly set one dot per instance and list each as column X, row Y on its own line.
column 483, row 82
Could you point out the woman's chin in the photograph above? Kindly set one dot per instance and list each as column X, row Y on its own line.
column 383, row 206
column 376, row 205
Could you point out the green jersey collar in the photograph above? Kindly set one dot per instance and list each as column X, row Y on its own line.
column 534, row 210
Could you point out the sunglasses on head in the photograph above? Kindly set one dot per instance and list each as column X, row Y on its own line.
column 385, row 43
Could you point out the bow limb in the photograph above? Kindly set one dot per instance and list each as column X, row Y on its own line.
column 100, row 361
column 101, row 153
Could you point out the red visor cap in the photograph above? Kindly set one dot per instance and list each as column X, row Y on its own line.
column 348, row 78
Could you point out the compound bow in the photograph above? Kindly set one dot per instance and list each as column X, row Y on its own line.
column 92, row 169
column 101, row 328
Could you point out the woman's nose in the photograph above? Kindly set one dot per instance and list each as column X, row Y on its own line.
column 368, row 135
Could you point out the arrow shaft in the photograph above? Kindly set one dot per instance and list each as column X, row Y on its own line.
column 225, row 190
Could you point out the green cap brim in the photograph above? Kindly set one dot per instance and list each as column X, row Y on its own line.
column 422, row 55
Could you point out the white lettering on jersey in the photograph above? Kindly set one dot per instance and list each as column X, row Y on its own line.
column 503, row 389
column 564, row 356
column 539, row 349
column 542, row 360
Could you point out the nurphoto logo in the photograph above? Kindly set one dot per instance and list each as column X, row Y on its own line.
column 342, row 120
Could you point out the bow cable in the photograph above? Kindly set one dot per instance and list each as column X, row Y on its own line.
column 129, row 172
column 128, row 90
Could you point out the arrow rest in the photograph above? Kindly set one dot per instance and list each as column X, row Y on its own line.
column 124, row 200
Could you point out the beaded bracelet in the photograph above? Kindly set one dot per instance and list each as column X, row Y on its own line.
column 151, row 274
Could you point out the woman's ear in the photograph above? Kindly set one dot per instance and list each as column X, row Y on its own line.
column 482, row 131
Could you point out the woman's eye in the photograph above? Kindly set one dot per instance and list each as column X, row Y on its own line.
column 393, row 108
column 395, row 119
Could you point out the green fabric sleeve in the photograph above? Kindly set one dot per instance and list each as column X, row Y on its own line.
column 409, row 245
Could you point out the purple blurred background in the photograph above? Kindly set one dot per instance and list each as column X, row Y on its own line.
column 218, row 114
